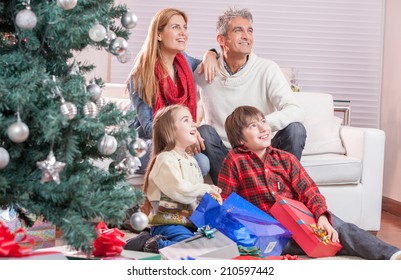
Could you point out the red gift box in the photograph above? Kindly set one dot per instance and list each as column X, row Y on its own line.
column 299, row 220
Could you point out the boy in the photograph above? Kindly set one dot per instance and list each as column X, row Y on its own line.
column 256, row 171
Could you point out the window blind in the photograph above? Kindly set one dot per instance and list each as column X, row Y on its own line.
column 333, row 46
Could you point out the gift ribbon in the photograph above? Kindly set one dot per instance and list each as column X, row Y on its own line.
column 204, row 231
column 109, row 242
column 10, row 248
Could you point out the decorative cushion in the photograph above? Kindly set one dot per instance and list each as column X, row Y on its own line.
column 323, row 136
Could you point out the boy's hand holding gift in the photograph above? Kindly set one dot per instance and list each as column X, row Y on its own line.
column 324, row 223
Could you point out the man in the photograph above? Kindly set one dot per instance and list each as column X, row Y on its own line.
column 245, row 79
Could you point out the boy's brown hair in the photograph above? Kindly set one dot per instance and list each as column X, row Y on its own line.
column 237, row 121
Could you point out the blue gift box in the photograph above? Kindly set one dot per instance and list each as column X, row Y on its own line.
column 243, row 223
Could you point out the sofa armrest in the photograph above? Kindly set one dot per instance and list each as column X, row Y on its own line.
column 367, row 144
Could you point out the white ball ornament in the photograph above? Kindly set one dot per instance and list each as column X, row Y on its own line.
column 129, row 20
column 67, row 4
column 4, row 158
column 139, row 221
column 69, row 110
column 90, row 109
column 107, row 145
column 97, row 33
column 18, row 132
column 26, row 19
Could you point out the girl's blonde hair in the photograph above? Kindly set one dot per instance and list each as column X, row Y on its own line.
column 163, row 139
column 142, row 75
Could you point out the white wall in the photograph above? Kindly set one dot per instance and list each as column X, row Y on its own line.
column 391, row 100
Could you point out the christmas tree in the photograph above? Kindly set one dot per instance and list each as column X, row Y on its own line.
column 54, row 125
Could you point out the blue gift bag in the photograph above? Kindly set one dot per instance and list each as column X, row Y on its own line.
column 243, row 223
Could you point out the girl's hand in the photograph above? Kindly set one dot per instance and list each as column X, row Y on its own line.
column 209, row 66
column 216, row 196
column 215, row 189
column 331, row 232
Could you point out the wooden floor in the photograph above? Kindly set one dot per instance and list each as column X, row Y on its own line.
column 390, row 230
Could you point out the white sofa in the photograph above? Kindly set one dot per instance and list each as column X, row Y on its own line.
column 346, row 162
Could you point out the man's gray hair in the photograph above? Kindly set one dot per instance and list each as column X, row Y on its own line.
column 231, row 13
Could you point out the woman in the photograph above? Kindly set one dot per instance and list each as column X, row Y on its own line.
column 162, row 75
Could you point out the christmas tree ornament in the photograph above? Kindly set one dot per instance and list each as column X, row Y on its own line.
column 68, row 109
column 138, row 147
column 125, row 57
column 110, row 36
column 94, row 90
column 67, row 4
column 26, row 19
column 74, row 69
column 132, row 164
column 139, row 221
column 129, row 20
column 18, row 132
column 90, row 109
column 50, row 168
column 101, row 102
column 118, row 46
column 4, row 158
column 97, row 32
column 8, row 39
column 107, row 145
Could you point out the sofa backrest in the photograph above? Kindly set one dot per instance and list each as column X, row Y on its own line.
column 316, row 104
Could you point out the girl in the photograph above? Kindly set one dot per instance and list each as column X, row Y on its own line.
column 173, row 182
column 162, row 75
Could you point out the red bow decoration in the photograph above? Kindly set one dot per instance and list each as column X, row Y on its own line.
column 10, row 248
column 109, row 242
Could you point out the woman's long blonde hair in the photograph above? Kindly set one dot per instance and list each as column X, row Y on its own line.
column 142, row 74
column 163, row 139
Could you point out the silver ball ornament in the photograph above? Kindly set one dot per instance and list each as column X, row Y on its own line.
column 139, row 221
column 101, row 102
column 97, row 33
column 129, row 20
column 69, row 110
column 94, row 90
column 18, row 132
column 90, row 109
column 138, row 147
column 110, row 36
column 67, row 4
column 118, row 46
column 4, row 158
column 26, row 19
column 125, row 57
column 107, row 145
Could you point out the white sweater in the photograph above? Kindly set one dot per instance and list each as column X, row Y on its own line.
column 178, row 178
column 260, row 84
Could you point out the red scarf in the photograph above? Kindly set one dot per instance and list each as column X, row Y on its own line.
column 183, row 93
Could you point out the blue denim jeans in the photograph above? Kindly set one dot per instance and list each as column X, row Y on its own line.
column 291, row 139
column 172, row 233
column 355, row 242
column 203, row 161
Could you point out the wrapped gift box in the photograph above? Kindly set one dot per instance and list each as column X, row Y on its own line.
column 9, row 218
column 243, row 223
column 297, row 218
column 217, row 247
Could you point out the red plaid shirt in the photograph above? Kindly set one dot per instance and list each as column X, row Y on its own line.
column 244, row 173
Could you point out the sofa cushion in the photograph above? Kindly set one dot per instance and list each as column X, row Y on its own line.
column 323, row 135
column 333, row 169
